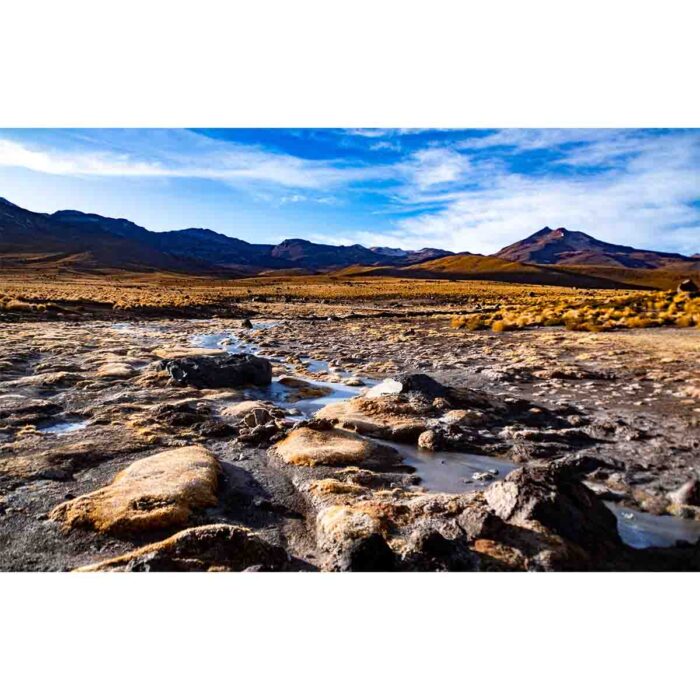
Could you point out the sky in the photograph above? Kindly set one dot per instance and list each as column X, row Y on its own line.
column 462, row 190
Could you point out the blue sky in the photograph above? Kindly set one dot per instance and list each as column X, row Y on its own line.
column 473, row 190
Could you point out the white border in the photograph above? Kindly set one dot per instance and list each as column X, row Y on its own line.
column 302, row 63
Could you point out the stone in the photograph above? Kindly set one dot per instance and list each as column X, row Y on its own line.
column 552, row 498
column 429, row 440
column 176, row 352
column 238, row 410
column 217, row 371
column 306, row 447
column 115, row 370
column 688, row 286
column 221, row 547
column 351, row 540
column 686, row 495
column 153, row 493
column 380, row 418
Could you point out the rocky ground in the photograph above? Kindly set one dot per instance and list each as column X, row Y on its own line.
column 372, row 438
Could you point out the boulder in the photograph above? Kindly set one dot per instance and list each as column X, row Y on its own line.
column 688, row 286
column 555, row 499
column 306, row 447
column 385, row 418
column 686, row 495
column 420, row 384
column 153, row 493
column 217, row 371
column 351, row 540
column 217, row 547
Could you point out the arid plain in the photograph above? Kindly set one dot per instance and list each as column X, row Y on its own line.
column 346, row 423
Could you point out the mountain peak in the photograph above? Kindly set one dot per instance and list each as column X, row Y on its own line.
column 562, row 246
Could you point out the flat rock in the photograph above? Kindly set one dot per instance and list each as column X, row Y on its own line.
column 176, row 352
column 306, row 447
column 217, row 547
column 115, row 370
column 375, row 418
column 153, row 493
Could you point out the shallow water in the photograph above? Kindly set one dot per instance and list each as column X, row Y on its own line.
column 451, row 472
column 641, row 530
column 280, row 394
column 447, row 472
column 63, row 427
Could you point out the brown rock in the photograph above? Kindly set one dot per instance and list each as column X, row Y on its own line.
column 153, row 493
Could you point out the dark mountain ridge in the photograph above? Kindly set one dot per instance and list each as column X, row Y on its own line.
column 112, row 242
column 74, row 240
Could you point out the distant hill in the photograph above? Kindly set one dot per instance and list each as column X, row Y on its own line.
column 563, row 247
column 466, row 266
column 77, row 240
column 74, row 241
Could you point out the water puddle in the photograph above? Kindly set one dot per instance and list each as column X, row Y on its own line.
column 282, row 395
column 452, row 472
column 63, row 427
column 641, row 530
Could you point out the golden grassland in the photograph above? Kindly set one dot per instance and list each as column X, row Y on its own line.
column 605, row 312
column 486, row 305
column 125, row 291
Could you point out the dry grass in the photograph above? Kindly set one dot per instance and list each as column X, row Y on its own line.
column 605, row 312
column 30, row 293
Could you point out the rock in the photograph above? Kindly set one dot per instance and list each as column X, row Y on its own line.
column 417, row 383
column 686, row 495
column 386, row 418
column 245, row 323
column 429, row 440
column 258, row 416
column 550, row 497
column 115, row 370
column 306, row 447
column 221, row 547
column 301, row 389
column 386, row 388
column 48, row 379
column 238, row 410
column 350, row 540
column 176, row 352
column 153, row 493
column 482, row 476
column 207, row 371
column 430, row 550
column 688, row 286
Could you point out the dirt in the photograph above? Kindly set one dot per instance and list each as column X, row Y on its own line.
column 81, row 400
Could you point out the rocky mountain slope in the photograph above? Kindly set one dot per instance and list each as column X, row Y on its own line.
column 563, row 247
column 91, row 240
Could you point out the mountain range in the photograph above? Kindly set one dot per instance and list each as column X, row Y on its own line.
column 74, row 241
column 91, row 240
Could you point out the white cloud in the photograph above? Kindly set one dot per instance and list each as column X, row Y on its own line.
column 624, row 186
column 182, row 155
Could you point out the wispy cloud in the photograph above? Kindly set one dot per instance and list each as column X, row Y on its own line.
column 471, row 191
column 180, row 155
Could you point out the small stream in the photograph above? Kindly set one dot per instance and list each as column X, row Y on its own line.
column 447, row 472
